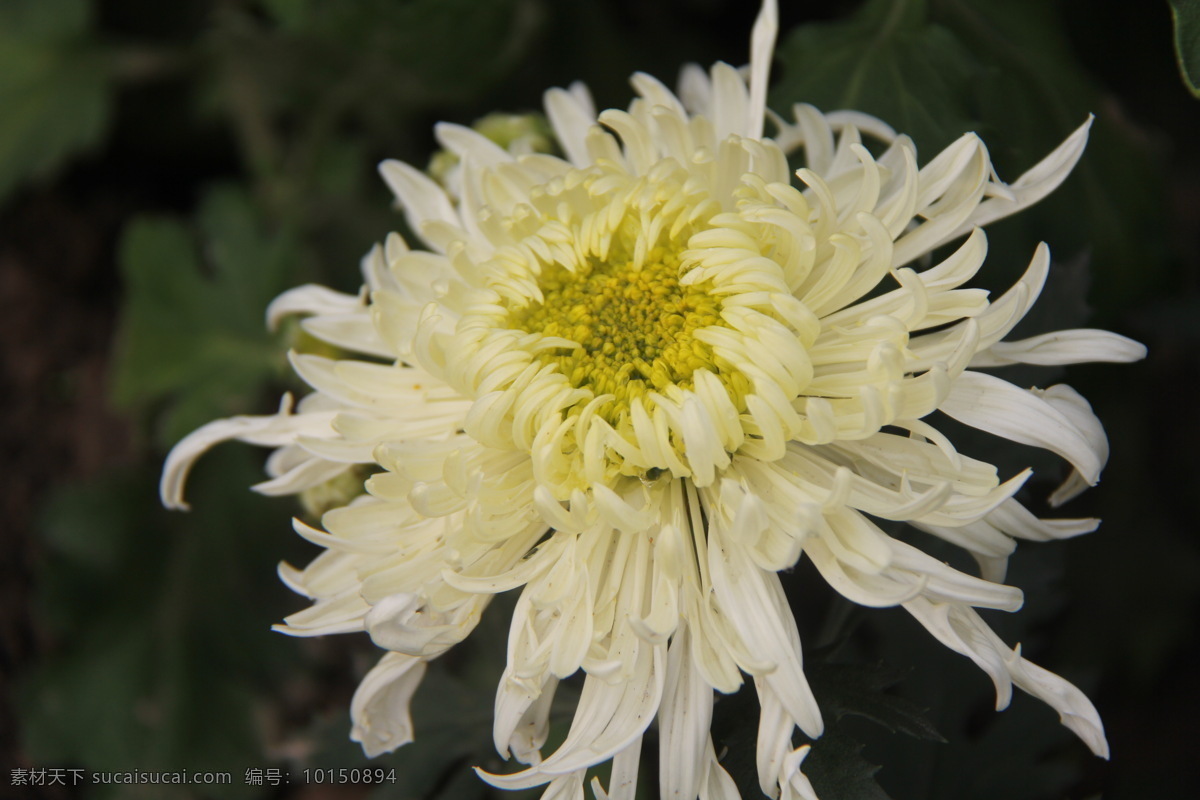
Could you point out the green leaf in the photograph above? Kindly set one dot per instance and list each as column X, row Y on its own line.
column 1033, row 93
column 164, row 655
column 835, row 764
column 289, row 13
column 43, row 19
column 935, row 69
column 838, row 771
column 379, row 60
column 455, row 46
column 859, row 690
column 888, row 60
column 53, row 88
column 194, row 341
column 1014, row 756
column 1186, row 16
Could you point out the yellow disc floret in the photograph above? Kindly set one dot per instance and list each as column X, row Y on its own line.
column 633, row 324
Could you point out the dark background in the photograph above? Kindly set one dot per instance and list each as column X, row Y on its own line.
column 166, row 168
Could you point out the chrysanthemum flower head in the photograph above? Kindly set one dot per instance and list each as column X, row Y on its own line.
column 635, row 382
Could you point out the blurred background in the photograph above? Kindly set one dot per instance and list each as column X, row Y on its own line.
column 168, row 168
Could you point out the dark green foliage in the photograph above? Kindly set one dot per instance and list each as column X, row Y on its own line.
column 838, row 770
column 936, row 69
column 1186, row 15
column 889, row 60
column 162, row 654
column 193, row 332
column 860, row 690
column 54, row 84
column 240, row 137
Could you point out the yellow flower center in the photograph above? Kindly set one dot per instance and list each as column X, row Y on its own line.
column 634, row 325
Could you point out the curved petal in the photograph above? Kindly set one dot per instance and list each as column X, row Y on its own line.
column 380, row 706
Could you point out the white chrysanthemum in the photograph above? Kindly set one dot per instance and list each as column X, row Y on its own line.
column 638, row 381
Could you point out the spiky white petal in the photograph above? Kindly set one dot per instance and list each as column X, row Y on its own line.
column 636, row 383
column 380, row 705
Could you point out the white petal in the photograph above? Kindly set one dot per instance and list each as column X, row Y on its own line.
column 762, row 50
column 753, row 601
column 1077, row 346
column 305, row 475
column 845, row 118
column 466, row 143
column 311, row 299
column 658, row 95
column 1016, row 520
column 424, row 202
column 379, row 708
column 333, row 613
column 1074, row 709
column 695, row 89
column 683, row 722
column 565, row 787
column 1072, row 405
column 793, row 783
column 355, row 332
column 1043, row 178
column 607, row 720
column 730, row 102
column 572, row 121
column 996, row 406
column 775, row 728
column 622, row 783
column 403, row 622
column 273, row 431
column 813, row 131
column 961, row 629
column 717, row 784
column 527, row 737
